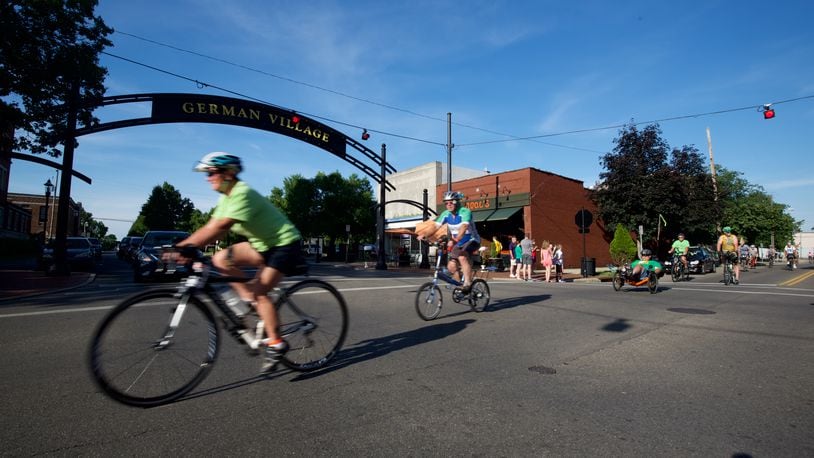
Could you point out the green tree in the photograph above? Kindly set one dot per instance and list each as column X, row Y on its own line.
column 325, row 205
column 91, row 227
column 622, row 247
column 645, row 178
column 167, row 210
column 752, row 213
column 46, row 49
column 138, row 228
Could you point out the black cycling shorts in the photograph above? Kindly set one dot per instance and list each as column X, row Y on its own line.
column 287, row 259
column 467, row 250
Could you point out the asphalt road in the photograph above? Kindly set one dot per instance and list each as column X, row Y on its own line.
column 575, row 369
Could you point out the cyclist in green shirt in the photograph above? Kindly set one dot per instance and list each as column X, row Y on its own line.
column 273, row 247
column 645, row 264
column 681, row 247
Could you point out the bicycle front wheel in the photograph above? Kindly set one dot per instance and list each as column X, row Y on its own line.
column 313, row 319
column 618, row 281
column 147, row 351
column 428, row 301
column 676, row 272
column 479, row 295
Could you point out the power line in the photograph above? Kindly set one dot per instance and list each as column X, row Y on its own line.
column 202, row 84
column 617, row 126
column 533, row 138
column 335, row 92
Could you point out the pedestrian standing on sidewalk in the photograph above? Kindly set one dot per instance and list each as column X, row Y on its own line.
column 527, row 247
column 558, row 259
column 546, row 255
column 513, row 258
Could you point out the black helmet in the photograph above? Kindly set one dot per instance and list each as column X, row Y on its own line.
column 647, row 252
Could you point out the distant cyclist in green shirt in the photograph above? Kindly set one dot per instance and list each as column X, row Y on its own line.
column 645, row 264
column 681, row 247
column 273, row 247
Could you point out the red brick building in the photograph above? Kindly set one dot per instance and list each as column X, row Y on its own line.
column 541, row 204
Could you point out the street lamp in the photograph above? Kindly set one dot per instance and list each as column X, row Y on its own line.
column 49, row 187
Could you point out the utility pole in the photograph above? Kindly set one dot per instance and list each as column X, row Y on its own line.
column 449, row 151
column 714, row 181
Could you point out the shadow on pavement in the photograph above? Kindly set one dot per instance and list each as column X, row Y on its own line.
column 381, row 346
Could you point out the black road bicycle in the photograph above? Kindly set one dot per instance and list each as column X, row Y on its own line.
column 429, row 300
column 678, row 271
column 156, row 346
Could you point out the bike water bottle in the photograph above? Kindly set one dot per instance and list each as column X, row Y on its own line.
column 231, row 298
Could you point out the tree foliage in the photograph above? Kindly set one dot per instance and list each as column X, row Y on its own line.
column 752, row 213
column 91, row 227
column 46, row 49
column 324, row 205
column 644, row 178
column 622, row 247
column 642, row 181
column 166, row 210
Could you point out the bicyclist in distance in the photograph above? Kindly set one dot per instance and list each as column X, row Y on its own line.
column 273, row 246
column 745, row 252
column 463, row 235
column 681, row 247
column 645, row 264
column 791, row 258
column 728, row 247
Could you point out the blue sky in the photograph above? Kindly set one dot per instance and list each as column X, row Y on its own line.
column 504, row 68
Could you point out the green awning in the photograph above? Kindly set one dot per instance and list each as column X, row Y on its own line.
column 495, row 215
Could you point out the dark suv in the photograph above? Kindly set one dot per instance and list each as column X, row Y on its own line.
column 147, row 264
column 79, row 251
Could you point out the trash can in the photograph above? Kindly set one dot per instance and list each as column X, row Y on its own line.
column 588, row 267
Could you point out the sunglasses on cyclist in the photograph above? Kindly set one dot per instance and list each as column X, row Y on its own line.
column 212, row 172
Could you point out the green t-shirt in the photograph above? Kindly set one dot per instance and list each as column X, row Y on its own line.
column 649, row 265
column 256, row 218
column 679, row 246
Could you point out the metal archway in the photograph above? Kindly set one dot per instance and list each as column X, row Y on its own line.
column 213, row 109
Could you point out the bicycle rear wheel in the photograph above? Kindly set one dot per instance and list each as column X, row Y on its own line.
column 313, row 319
column 428, row 301
column 479, row 296
column 137, row 359
column 676, row 272
column 727, row 274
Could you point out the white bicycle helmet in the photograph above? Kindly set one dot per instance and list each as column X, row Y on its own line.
column 219, row 160
column 452, row 195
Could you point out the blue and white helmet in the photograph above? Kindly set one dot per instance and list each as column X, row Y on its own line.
column 453, row 196
column 219, row 160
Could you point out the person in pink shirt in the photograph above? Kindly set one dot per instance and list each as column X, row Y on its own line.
column 546, row 254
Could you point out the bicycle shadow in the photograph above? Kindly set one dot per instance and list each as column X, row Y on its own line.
column 504, row 304
column 381, row 346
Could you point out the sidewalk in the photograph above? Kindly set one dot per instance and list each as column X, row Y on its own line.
column 18, row 279
column 569, row 275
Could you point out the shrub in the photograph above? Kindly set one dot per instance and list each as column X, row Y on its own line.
column 622, row 247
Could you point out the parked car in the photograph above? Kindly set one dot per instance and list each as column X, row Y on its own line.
column 132, row 249
column 97, row 247
column 124, row 244
column 80, row 254
column 700, row 258
column 148, row 264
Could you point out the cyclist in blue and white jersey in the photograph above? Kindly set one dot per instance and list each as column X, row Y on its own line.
column 463, row 234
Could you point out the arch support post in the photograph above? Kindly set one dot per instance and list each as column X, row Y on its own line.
column 381, row 260
column 425, row 247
